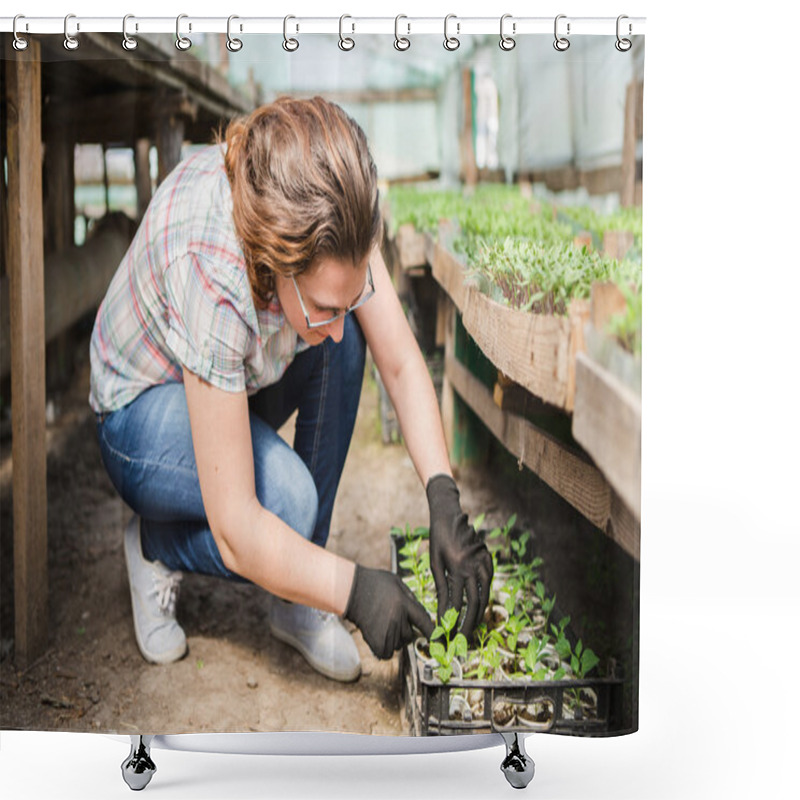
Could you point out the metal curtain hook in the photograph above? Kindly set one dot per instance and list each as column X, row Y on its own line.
column 19, row 43
column 507, row 42
column 289, row 45
column 623, row 45
column 70, row 42
column 128, row 42
column 451, row 42
column 345, row 42
column 401, row 42
column 561, row 43
column 182, row 42
column 233, row 45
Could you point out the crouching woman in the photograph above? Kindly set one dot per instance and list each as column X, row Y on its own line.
column 250, row 291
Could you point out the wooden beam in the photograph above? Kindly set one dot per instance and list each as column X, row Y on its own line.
column 76, row 279
column 536, row 351
column 608, row 423
column 169, row 139
column 370, row 96
column 59, row 165
column 119, row 117
column 569, row 474
column 469, row 168
column 574, row 478
column 627, row 191
column 26, row 283
column 144, row 184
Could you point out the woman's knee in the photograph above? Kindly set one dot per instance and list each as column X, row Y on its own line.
column 286, row 487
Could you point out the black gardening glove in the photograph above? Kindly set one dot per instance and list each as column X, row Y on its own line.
column 384, row 610
column 459, row 559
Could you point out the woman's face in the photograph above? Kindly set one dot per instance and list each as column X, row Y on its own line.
column 327, row 288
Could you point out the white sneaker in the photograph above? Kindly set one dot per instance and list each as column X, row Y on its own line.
column 319, row 636
column 154, row 592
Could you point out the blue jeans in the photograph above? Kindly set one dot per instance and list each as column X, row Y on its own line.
column 147, row 450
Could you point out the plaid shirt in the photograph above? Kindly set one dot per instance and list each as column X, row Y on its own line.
column 181, row 298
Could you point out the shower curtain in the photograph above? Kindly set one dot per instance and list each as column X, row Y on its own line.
column 510, row 191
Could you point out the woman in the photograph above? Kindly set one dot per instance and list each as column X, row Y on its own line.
column 231, row 310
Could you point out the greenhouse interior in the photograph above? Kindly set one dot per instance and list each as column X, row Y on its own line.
column 511, row 227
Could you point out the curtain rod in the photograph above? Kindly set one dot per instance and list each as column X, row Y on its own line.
column 74, row 25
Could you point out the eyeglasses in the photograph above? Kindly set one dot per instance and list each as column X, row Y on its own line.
column 369, row 290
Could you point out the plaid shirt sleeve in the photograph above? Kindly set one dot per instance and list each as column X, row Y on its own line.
column 206, row 333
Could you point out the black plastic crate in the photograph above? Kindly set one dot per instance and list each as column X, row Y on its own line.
column 587, row 707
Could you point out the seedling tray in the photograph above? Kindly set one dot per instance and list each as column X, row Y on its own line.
column 590, row 706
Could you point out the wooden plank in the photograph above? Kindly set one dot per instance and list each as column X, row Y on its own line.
column 607, row 300
column 448, row 398
column 76, row 279
column 410, row 247
column 469, row 168
column 26, row 284
column 371, row 96
column 578, row 481
column 607, row 421
column 535, row 350
column 627, row 191
column 617, row 243
column 60, row 189
column 144, row 184
column 169, row 140
column 119, row 117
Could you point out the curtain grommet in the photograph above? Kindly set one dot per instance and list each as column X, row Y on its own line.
column 234, row 45
column 183, row 43
column 451, row 43
column 561, row 43
column 19, row 44
column 70, row 42
column 507, row 43
column 289, row 44
column 401, row 43
column 623, row 45
column 346, row 43
column 128, row 42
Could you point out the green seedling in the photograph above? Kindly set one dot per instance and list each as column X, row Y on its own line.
column 548, row 603
column 583, row 660
column 502, row 536
column 454, row 645
column 532, row 654
column 417, row 561
column 488, row 654
column 514, row 627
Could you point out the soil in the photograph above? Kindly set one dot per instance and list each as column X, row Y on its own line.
column 236, row 677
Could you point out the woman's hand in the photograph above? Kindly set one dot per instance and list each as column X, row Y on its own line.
column 385, row 611
column 459, row 559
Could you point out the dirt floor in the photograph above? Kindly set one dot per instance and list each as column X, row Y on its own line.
column 236, row 676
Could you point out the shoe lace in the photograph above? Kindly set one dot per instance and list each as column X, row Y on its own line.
column 167, row 586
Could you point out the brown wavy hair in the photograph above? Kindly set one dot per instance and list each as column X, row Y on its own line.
column 304, row 186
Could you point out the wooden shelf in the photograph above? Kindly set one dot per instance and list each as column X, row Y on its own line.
column 536, row 351
column 575, row 479
column 608, row 423
column 545, row 355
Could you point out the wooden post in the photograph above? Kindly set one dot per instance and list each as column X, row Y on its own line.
column 469, row 168
column 3, row 194
column 106, row 191
column 144, row 188
column 60, row 195
column 169, row 139
column 627, row 191
column 26, row 288
column 59, row 214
